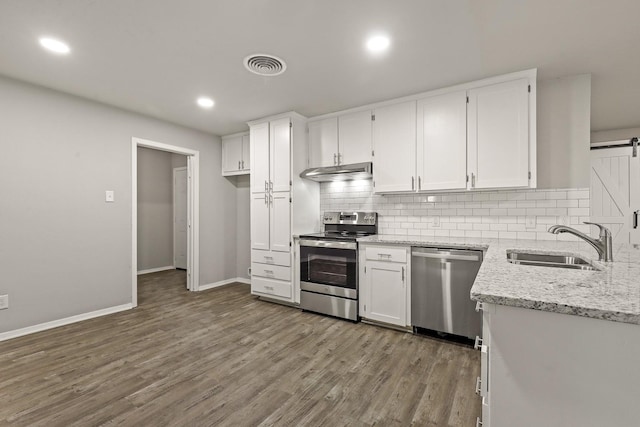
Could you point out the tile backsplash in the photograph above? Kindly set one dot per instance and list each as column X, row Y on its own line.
column 504, row 214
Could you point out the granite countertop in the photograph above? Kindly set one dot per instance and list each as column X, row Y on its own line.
column 612, row 293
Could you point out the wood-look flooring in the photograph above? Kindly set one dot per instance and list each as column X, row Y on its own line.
column 224, row 358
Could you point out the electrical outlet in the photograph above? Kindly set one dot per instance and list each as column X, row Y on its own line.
column 4, row 302
column 435, row 221
column 530, row 222
column 109, row 196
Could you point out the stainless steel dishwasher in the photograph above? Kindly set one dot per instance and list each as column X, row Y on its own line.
column 441, row 281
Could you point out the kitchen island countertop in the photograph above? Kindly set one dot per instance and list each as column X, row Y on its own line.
column 610, row 293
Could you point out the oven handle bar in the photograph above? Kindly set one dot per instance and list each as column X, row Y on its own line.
column 328, row 244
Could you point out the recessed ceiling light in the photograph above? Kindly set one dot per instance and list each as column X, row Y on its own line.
column 378, row 43
column 54, row 45
column 205, row 102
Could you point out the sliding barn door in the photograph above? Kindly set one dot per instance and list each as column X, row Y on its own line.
column 615, row 192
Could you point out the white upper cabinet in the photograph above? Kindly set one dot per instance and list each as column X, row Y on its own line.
column 394, row 147
column 323, row 142
column 235, row 154
column 280, row 155
column 442, row 142
column 354, row 137
column 498, row 135
column 341, row 140
column 259, row 136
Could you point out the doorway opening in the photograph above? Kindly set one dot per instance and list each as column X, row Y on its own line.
column 189, row 197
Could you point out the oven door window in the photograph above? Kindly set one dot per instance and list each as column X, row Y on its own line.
column 328, row 266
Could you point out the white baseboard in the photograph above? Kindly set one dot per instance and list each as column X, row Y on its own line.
column 62, row 322
column 155, row 270
column 224, row 282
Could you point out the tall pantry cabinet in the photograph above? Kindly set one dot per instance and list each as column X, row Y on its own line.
column 282, row 204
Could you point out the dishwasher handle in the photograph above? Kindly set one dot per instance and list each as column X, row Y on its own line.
column 443, row 255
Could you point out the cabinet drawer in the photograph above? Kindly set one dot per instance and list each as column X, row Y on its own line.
column 271, row 271
column 271, row 257
column 386, row 254
column 265, row 286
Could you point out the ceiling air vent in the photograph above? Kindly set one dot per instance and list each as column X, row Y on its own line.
column 265, row 65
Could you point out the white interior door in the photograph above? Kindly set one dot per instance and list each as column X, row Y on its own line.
column 180, row 188
column 615, row 192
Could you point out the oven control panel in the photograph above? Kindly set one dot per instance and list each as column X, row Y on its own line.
column 355, row 218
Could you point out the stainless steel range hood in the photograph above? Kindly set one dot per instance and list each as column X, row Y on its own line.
column 339, row 173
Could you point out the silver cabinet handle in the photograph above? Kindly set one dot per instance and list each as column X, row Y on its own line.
column 477, row 345
column 384, row 256
column 243, row 164
column 266, row 199
column 270, row 185
column 473, row 180
column 419, row 182
column 266, row 185
column 268, row 272
column 478, row 422
column 339, row 158
column 335, row 162
column 412, row 182
column 271, row 199
column 635, row 219
column 403, row 274
column 238, row 164
column 478, row 386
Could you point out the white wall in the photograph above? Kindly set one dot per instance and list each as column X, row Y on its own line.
column 615, row 135
column 564, row 123
column 64, row 251
column 155, row 208
column 243, row 250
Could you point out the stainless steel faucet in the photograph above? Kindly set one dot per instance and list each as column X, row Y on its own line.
column 603, row 244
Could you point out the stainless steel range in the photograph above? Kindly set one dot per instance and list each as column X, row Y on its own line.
column 329, row 264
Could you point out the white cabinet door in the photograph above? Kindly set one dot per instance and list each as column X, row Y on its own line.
column 323, row 142
column 232, row 154
column 246, row 162
column 259, row 154
column 442, row 142
column 394, row 146
column 354, row 137
column 386, row 292
column 260, row 221
column 498, row 135
column 279, row 155
column 280, row 221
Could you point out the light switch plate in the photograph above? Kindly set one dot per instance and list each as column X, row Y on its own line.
column 4, row 302
column 109, row 196
column 530, row 222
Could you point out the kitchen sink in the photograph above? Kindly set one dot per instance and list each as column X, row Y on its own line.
column 549, row 260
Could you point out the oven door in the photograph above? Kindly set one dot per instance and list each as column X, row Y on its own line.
column 329, row 267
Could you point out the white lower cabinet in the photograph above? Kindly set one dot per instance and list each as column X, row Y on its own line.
column 557, row 370
column 384, row 285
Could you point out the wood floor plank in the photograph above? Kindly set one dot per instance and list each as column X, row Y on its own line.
column 221, row 357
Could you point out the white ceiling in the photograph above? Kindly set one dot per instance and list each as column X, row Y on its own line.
column 156, row 56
